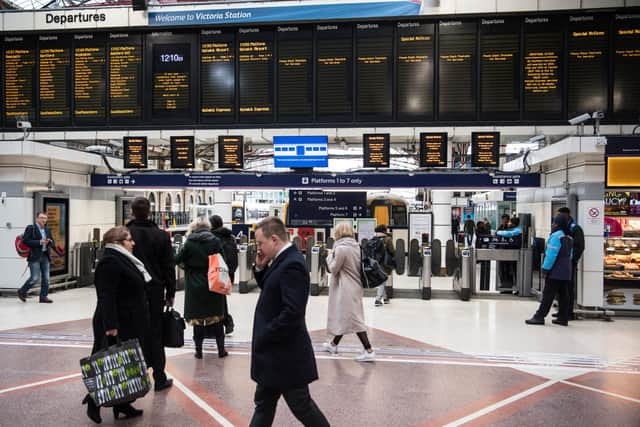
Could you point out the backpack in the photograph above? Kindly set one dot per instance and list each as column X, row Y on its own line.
column 230, row 253
column 375, row 249
column 21, row 247
column 371, row 273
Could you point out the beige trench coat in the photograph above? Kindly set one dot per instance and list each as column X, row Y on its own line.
column 345, row 314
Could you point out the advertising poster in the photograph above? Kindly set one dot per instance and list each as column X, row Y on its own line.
column 57, row 210
column 419, row 224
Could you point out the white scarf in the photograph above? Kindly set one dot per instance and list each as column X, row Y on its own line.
column 139, row 265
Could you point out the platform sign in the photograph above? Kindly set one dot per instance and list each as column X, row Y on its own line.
column 376, row 147
column 135, row 152
column 183, row 154
column 485, row 149
column 230, row 152
column 433, row 150
column 320, row 208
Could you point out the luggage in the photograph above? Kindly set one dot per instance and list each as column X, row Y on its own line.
column 173, row 327
column 117, row 374
column 218, row 275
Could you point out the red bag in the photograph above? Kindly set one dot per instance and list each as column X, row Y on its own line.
column 21, row 248
column 218, row 275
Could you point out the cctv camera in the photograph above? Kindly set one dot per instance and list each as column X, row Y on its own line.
column 536, row 138
column 100, row 149
column 598, row 115
column 579, row 119
column 23, row 125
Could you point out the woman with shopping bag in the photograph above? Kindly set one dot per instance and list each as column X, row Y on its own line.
column 203, row 309
column 121, row 310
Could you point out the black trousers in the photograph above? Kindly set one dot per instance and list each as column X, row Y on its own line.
column 298, row 400
column 154, row 351
column 551, row 288
column 572, row 288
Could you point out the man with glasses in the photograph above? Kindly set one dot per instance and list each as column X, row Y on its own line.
column 39, row 238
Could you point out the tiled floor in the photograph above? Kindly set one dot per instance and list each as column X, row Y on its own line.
column 440, row 362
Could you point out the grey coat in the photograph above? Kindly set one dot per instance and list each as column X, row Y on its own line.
column 345, row 314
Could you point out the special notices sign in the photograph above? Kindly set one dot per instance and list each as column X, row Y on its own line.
column 183, row 154
column 135, row 152
column 485, row 149
column 230, row 152
column 433, row 150
column 376, row 150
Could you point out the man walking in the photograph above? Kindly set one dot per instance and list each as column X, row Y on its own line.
column 38, row 237
column 282, row 358
column 577, row 234
column 153, row 248
column 469, row 230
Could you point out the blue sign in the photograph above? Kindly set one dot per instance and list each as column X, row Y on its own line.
column 287, row 12
column 509, row 196
column 300, row 151
column 318, row 180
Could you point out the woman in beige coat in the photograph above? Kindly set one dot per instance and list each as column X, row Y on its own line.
column 346, row 315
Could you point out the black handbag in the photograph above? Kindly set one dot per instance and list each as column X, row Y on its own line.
column 371, row 273
column 173, row 327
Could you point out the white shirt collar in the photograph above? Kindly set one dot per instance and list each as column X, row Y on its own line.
column 284, row 248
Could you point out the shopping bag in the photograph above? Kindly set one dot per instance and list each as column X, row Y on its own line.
column 218, row 275
column 172, row 328
column 117, row 374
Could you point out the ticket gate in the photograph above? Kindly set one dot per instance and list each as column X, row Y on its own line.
column 523, row 260
column 464, row 276
column 318, row 276
column 246, row 257
column 425, row 275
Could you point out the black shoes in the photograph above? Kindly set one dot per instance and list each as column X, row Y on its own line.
column 223, row 353
column 534, row 321
column 23, row 297
column 559, row 322
column 93, row 411
column 45, row 300
column 127, row 410
column 569, row 317
column 161, row 386
column 198, row 354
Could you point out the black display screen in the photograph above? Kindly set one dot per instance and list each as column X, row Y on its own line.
column 414, row 75
column 295, row 74
column 485, row 149
column 135, row 152
column 542, row 73
column 374, row 71
column 319, row 208
column 125, row 77
column 89, row 79
column 499, row 69
column 334, row 70
column 626, row 63
column 457, row 71
column 588, row 64
column 183, row 154
column 255, row 58
column 217, row 76
column 433, row 150
column 19, row 72
column 230, row 152
column 171, row 84
column 54, row 80
column 375, row 148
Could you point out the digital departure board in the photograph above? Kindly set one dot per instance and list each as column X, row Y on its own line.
column 626, row 63
column 334, row 70
column 54, row 79
column 19, row 71
column 217, row 76
column 456, row 77
column 415, row 65
column 255, row 62
column 318, row 208
column 230, row 152
column 125, row 77
column 374, row 71
column 375, row 148
column 499, row 69
column 135, row 152
column 588, row 64
column 171, row 85
column 542, row 74
column 485, row 149
column 433, row 149
column 89, row 77
column 295, row 73
column 183, row 152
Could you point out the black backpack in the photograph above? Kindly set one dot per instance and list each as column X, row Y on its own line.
column 371, row 273
column 375, row 249
column 230, row 253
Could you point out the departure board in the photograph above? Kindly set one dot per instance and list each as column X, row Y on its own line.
column 89, row 77
column 183, row 152
column 375, row 148
column 485, row 149
column 54, row 80
column 414, row 78
column 295, row 73
column 626, row 63
column 542, row 74
column 499, row 69
column 457, row 70
column 217, row 76
column 433, row 149
column 255, row 63
column 334, row 73
column 171, row 85
column 230, row 152
column 319, row 208
column 19, row 71
column 374, row 71
column 125, row 77
column 588, row 64
column 135, row 152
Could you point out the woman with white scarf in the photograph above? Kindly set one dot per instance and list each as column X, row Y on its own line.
column 120, row 280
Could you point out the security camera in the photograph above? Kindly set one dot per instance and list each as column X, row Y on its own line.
column 100, row 149
column 536, row 138
column 598, row 115
column 23, row 124
column 580, row 119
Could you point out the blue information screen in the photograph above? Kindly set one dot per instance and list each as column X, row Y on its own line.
column 300, row 151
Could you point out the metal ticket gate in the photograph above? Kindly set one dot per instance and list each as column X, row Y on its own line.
column 464, row 276
column 317, row 269
column 425, row 276
column 523, row 259
column 246, row 256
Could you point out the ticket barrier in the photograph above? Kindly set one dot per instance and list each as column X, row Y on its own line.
column 246, row 257
column 318, row 269
column 523, row 259
column 425, row 274
column 464, row 276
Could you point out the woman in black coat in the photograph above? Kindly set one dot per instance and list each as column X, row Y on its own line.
column 121, row 311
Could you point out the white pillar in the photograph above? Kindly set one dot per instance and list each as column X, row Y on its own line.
column 441, row 207
column 590, row 277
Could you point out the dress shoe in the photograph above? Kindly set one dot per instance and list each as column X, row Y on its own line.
column 569, row 317
column 223, row 353
column 127, row 410
column 161, row 386
column 559, row 322
column 93, row 410
column 23, row 297
column 198, row 353
column 45, row 300
column 534, row 321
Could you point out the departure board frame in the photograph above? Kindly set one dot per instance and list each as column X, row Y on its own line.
column 89, row 104
column 230, row 152
column 135, row 152
column 256, row 45
column 434, row 148
column 17, row 47
column 294, row 74
column 123, row 106
column 376, row 150
column 625, row 62
column 183, row 152
column 53, row 81
column 485, row 144
column 218, row 68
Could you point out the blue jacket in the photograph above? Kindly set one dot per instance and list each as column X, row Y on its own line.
column 512, row 232
column 557, row 257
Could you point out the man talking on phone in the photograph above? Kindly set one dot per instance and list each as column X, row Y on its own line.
column 39, row 238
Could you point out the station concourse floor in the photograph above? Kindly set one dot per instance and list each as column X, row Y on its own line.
column 439, row 362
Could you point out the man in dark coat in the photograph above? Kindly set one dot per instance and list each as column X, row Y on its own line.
column 577, row 234
column 153, row 248
column 282, row 358
column 38, row 237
